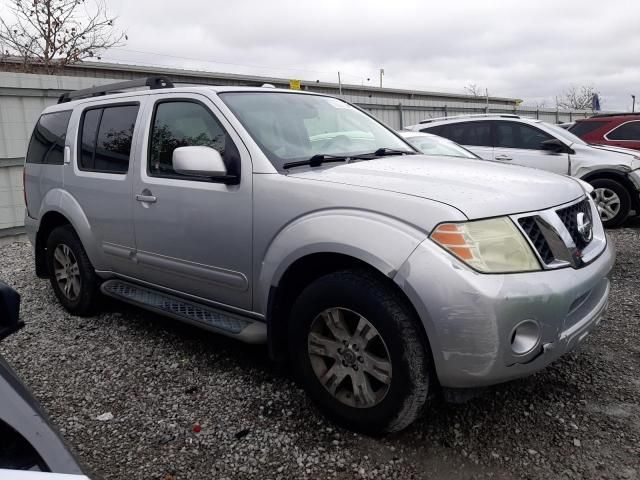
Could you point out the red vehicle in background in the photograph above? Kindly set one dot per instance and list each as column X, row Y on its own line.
column 615, row 129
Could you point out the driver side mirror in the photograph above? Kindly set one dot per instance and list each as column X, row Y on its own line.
column 554, row 146
column 199, row 161
column 9, row 311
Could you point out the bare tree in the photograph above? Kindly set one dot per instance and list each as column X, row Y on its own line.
column 56, row 33
column 474, row 90
column 578, row 98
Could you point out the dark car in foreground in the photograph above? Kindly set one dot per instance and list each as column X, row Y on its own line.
column 30, row 448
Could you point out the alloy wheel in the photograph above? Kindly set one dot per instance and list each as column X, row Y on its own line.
column 67, row 272
column 349, row 357
column 608, row 203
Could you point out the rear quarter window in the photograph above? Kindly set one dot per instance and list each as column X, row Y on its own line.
column 627, row 131
column 47, row 141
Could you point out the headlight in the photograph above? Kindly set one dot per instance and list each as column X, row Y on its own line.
column 491, row 246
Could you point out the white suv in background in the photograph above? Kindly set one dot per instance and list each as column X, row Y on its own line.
column 612, row 171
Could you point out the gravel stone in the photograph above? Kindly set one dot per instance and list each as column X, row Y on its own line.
column 159, row 378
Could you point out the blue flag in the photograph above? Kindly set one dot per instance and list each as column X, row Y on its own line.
column 595, row 103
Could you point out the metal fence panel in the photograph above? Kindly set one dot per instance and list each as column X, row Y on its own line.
column 24, row 96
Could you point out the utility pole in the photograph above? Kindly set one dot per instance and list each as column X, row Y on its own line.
column 381, row 74
column 633, row 105
column 339, row 84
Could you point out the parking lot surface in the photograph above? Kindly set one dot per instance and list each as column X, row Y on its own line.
column 139, row 396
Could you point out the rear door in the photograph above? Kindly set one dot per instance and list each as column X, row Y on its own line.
column 99, row 177
column 193, row 234
column 521, row 144
column 476, row 136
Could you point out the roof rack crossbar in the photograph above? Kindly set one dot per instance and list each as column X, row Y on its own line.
column 153, row 83
column 471, row 115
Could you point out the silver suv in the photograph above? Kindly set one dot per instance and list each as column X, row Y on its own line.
column 299, row 220
column 613, row 172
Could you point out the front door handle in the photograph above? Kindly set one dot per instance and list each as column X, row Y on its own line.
column 146, row 198
column 503, row 157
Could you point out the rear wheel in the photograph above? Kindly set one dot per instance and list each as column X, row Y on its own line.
column 358, row 351
column 71, row 274
column 613, row 201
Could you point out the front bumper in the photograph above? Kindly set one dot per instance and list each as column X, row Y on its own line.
column 470, row 317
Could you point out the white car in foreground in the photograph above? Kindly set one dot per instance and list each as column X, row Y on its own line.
column 613, row 172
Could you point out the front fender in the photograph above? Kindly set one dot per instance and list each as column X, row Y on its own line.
column 60, row 201
column 380, row 241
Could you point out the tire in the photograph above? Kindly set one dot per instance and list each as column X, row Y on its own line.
column 611, row 195
column 396, row 338
column 81, row 297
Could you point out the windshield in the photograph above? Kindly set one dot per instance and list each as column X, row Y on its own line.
column 291, row 127
column 564, row 134
column 432, row 145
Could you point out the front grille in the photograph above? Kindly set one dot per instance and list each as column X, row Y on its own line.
column 569, row 217
column 534, row 233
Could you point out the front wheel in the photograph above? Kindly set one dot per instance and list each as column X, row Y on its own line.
column 613, row 201
column 358, row 350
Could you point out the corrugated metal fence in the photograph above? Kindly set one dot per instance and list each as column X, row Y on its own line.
column 24, row 96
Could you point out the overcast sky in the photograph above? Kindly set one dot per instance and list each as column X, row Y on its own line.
column 530, row 50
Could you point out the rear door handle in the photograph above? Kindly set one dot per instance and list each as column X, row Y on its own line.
column 503, row 157
column 146, row 198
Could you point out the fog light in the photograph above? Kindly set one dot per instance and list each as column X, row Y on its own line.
column 524, row 337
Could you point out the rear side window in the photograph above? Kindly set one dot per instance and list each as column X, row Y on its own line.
column 47, row 141
column 583, row 128
column 468, row 133
column 626, row 131
column 105, row 138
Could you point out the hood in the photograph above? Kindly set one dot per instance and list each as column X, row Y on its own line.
column 478, row 188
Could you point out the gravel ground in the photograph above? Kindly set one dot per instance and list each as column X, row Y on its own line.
column 157, row 379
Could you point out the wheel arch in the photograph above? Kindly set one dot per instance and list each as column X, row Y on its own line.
column 302, row 273
column 60, row 208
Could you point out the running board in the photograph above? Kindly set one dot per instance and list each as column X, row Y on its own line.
column 231, row 325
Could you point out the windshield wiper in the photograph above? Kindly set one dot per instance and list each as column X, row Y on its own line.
column 383, row 152
column 317, row 160
column 320, row 158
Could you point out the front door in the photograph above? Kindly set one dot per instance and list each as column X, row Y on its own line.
column 520, row 144
column 193, row 234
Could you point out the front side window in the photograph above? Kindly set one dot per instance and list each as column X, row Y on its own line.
column 184, row 124
column 291, row 127
column 47, row 141
column 626, row 131
column 105, row 138
column 519, row 135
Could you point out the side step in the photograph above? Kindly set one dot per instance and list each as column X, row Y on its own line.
column 229, row 324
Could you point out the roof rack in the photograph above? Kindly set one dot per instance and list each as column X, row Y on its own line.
column 471, row 115
column 600, row 115
column 153, row 83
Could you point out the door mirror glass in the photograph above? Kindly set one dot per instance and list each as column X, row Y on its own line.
column 9, row 311
column 554, row 146
column 198, row 161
